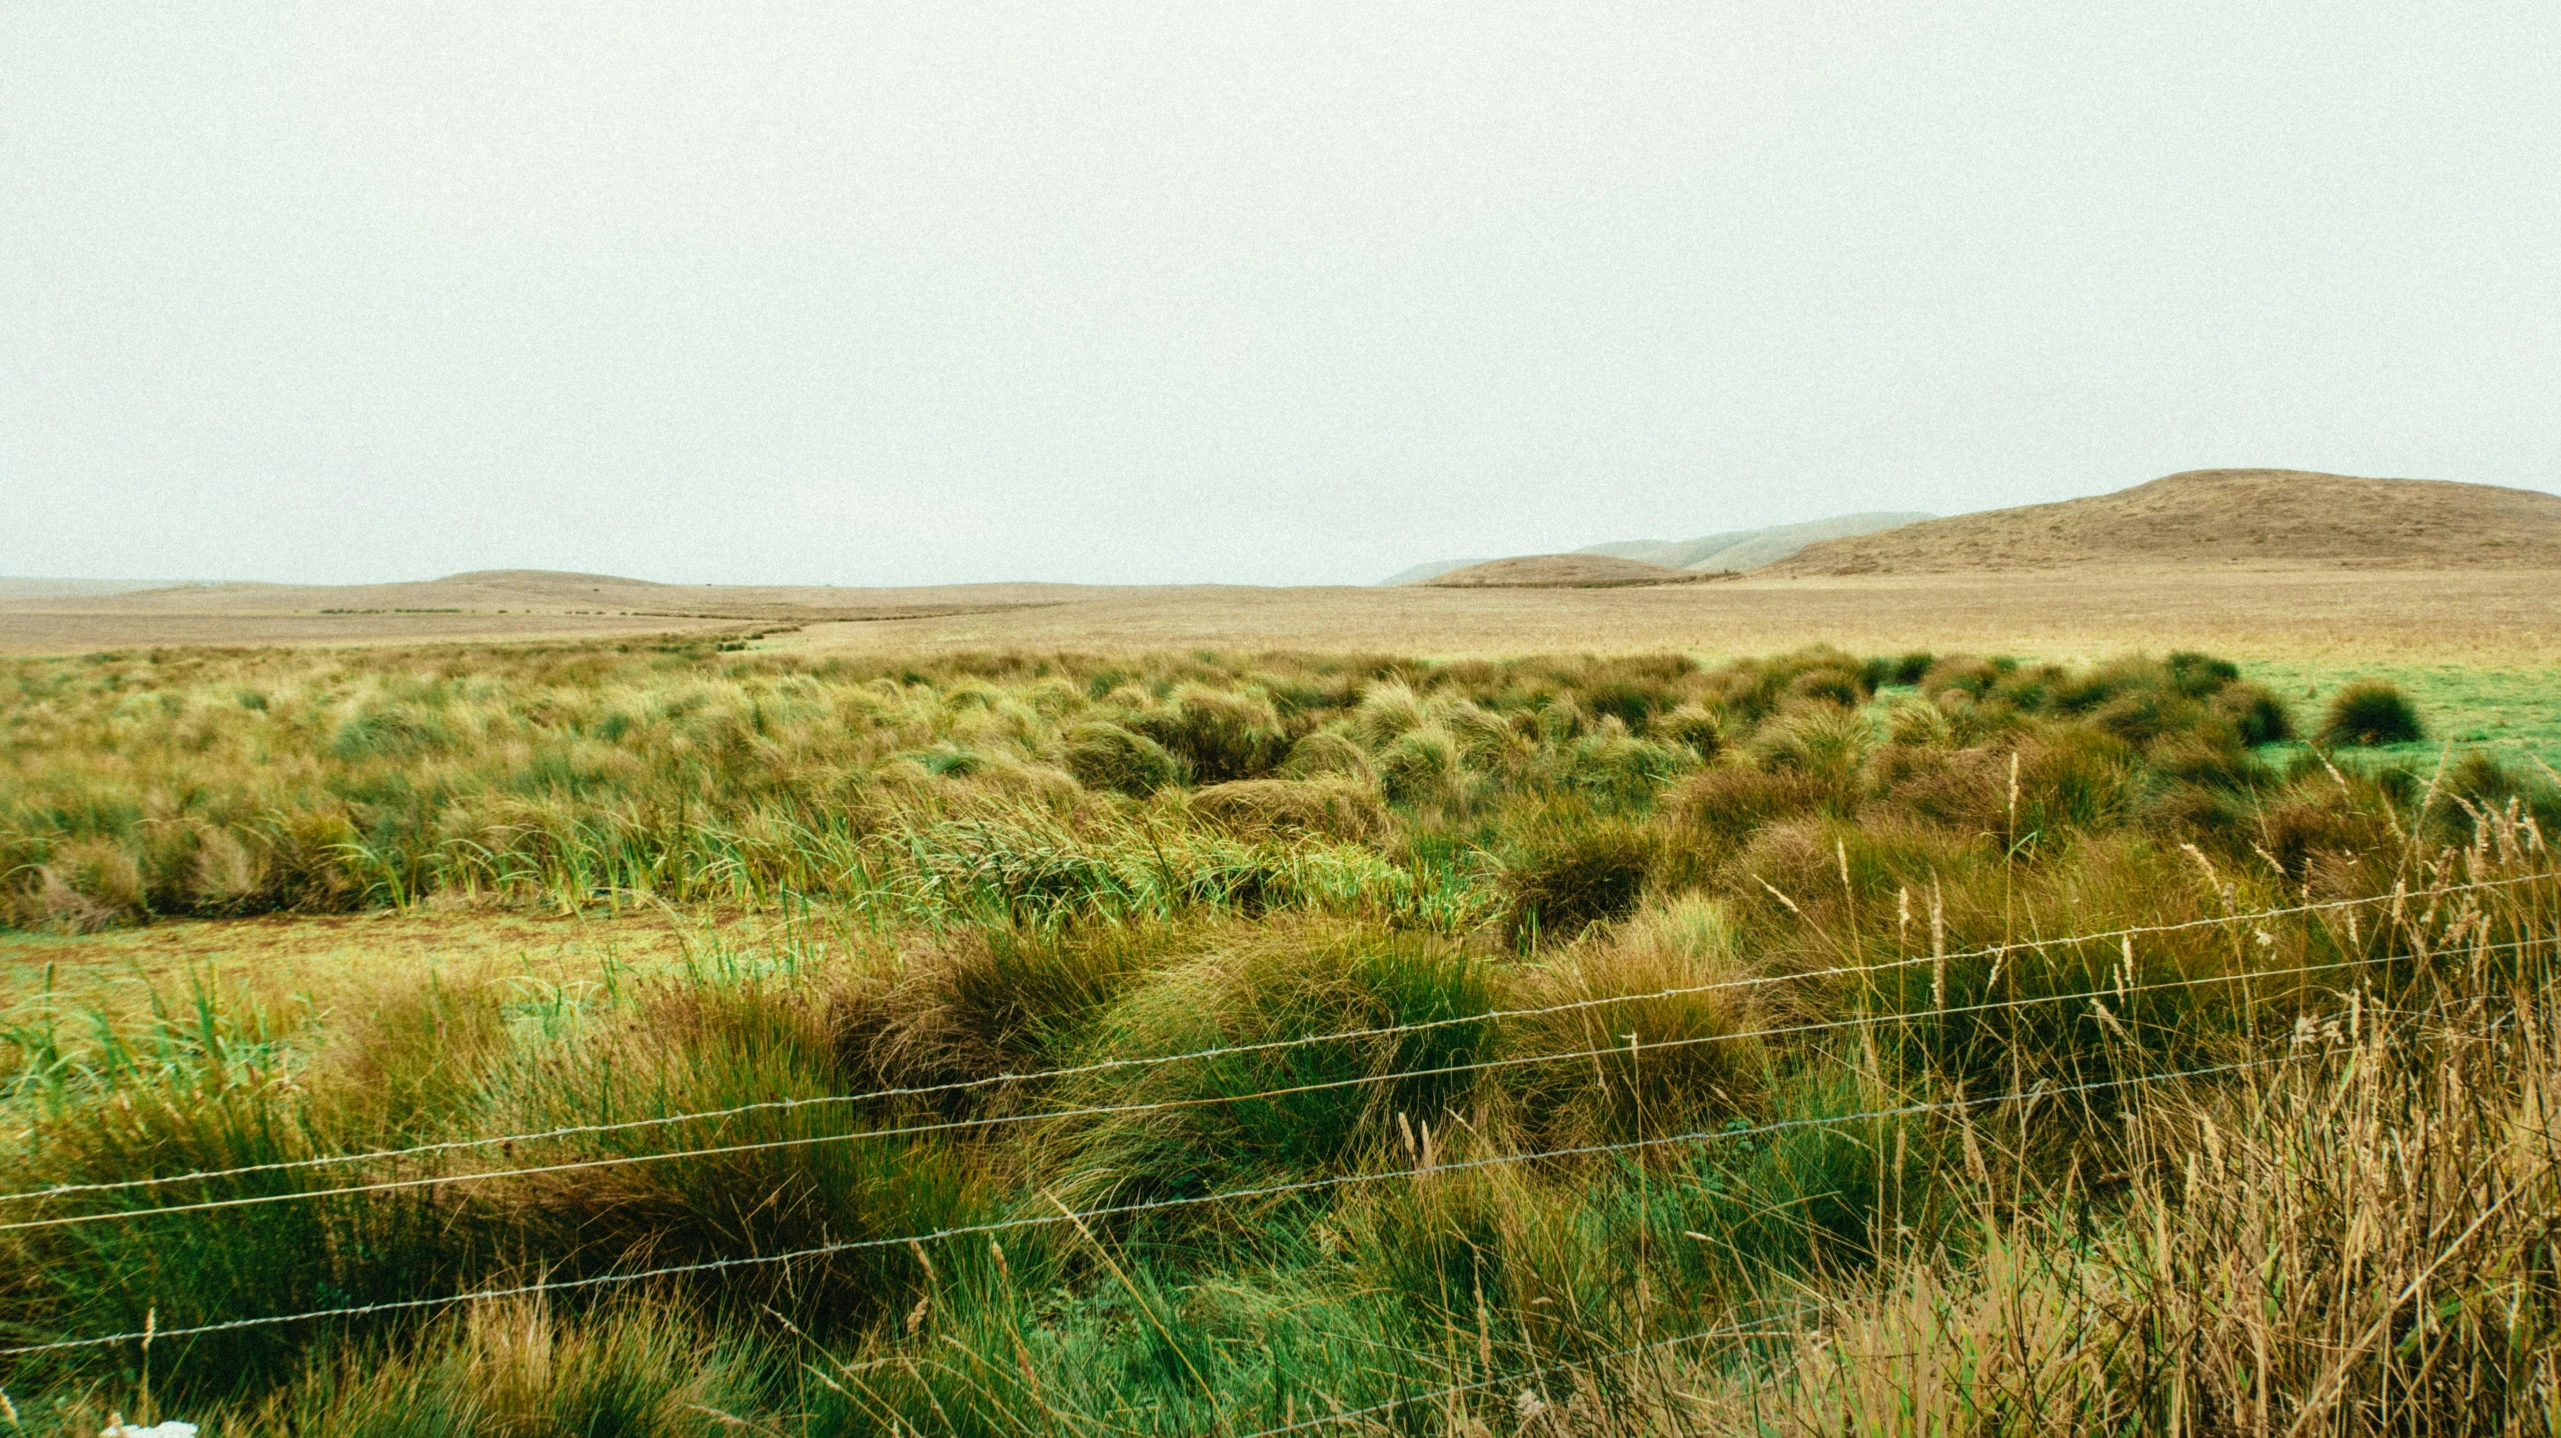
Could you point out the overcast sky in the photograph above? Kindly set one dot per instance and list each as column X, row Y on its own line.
column 908, row 293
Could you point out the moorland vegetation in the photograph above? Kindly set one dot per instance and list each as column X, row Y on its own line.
column 1206, row 1043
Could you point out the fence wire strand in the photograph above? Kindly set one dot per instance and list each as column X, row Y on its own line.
column 1637, row 1049
column 1295, row 1041
column 2035, row 1093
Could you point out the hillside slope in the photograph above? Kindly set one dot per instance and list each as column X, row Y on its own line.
column 1560, row 571
column 1741, row 549
column 2268, row 518
column 1431, row 570
column 1732, row 551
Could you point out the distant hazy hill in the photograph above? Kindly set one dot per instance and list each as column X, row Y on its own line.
column 1560, row 571
column 1734, row 550
column 533, row 591
column 79, row 588
column 2221, row 517
column 1424, row 573
column 1751, row 548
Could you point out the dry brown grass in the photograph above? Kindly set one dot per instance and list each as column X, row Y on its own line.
column 2375, row 617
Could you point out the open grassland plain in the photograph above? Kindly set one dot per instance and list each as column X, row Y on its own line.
column 2328, row 615
column 647, row 1038
column 2463, row 616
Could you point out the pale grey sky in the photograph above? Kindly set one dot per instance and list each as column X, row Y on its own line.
column 875, row 294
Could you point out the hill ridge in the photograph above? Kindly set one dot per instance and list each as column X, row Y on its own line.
column 1729, row 551
column 1561, row 571
column 2222, row 518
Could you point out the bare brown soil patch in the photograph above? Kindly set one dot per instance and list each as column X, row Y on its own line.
column 2224, row 518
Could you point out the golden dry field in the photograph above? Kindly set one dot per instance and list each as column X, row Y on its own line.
column 2509, row 616
column 2505, row 616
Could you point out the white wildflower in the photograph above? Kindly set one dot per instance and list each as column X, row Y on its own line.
column 171, row 1429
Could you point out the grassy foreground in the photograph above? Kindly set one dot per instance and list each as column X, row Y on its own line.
column 1603, row 1046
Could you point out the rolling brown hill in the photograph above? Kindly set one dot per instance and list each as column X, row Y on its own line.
column 2221, row 518
column 1560, row 571
column 543, row 591
column 485, row 604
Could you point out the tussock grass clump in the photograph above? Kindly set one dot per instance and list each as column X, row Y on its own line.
column 1726, row 806
column 1219, row 735
column 1562, row 886
column 1103, row 755
column 2263, row 1271
column 1279, row 982
column 2370, row 712
column 1656, row 1053
column 514, row 1368
column 2256, row 715
column 979, row 1002
column 1294, row 808
column 1826, row 744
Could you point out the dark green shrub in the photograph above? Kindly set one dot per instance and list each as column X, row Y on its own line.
column 2370, row 712
column 1912, row 668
